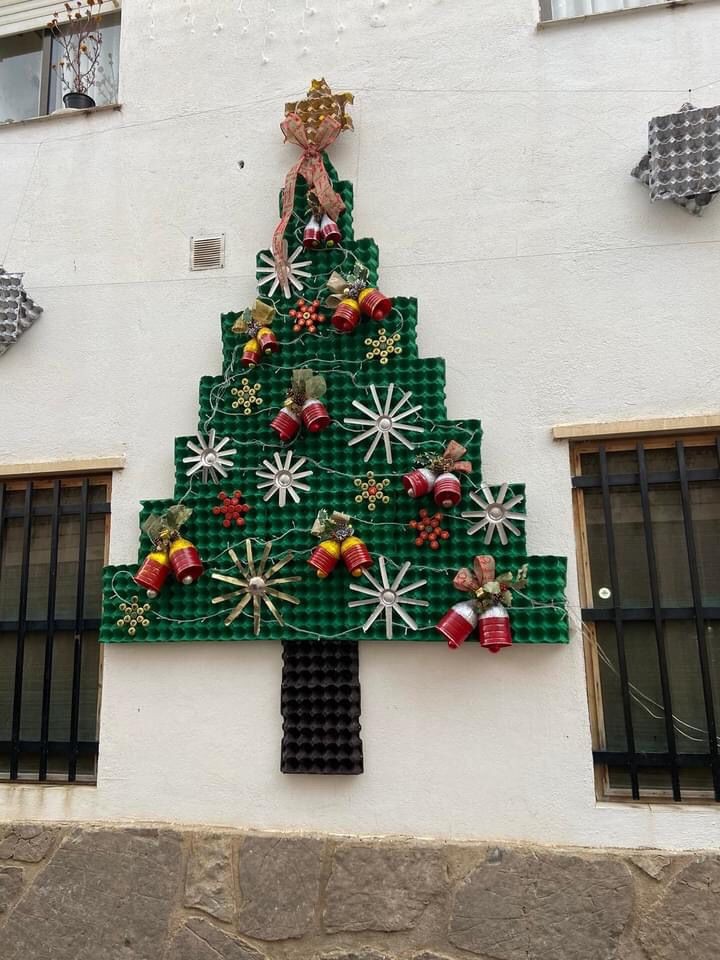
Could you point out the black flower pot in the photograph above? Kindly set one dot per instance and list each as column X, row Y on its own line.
column 78, row 101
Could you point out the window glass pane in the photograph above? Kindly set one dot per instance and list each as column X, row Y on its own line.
column 671, row 554
column 705, row 502
column 20, row 66
column 105, row 88
column 630, row 548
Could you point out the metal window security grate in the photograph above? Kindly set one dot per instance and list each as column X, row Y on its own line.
column 207, row 253
column 649, row 528
column 52, row 551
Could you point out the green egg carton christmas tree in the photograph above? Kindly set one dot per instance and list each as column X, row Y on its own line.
column 325, row 489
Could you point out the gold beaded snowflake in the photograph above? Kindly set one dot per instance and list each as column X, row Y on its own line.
column 383, row 346
column 372, row 491
column 247, row 396
column 134, row 616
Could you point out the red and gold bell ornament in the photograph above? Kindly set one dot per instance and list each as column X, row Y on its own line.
column 447, row 491
column 374, row 304
column 267, row 341
column 325, row 557
column 346, row 316
column 458, row 623
column 315, row 416
column 312, row 234
column 494, row 629
column 185, row 561
column 356, row 555
column 252, row 354
column 153, row 572
column 419, row 482
column 287, row 424
column 329, row 231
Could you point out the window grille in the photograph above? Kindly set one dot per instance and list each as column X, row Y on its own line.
column 53, row 535
column 648, row 517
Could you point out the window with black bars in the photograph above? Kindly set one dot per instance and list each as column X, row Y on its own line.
column 53, row 535
column 648, row 518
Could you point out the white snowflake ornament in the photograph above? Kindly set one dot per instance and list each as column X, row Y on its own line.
column 283, row 478
column 385, row 422
column 283, row 273
column 209, row 458
column 495, row 513
column 388, row 597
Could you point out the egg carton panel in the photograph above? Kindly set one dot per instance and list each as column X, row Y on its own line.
column 327, row 347
column 334, row 465
column 243, row 404
column 320, row 705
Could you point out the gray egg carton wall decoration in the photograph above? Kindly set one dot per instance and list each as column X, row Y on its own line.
column 18, row 311
column 684, row 153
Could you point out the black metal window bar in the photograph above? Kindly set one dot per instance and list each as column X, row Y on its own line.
column 649, row 517
column 53, row 535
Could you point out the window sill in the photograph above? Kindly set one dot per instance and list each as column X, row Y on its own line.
column 61, row 115
column 542, row 24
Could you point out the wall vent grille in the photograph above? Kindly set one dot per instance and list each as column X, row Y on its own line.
column 207, row 253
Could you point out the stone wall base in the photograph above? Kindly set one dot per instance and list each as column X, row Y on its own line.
column 106, row 893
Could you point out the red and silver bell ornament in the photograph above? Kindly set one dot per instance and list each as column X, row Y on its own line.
column 447, row 491
column 329, row 231
column 356, row 555
column 315, row 416
column 286, row 424
column 419, row 482
column 325, row 557
column 346, row 316
column 494, row 629
column 458, row 623
column 374, row 304
column 153, row 572
column 312, row 234
column 185, row 561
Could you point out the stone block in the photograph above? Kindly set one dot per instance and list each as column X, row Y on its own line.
column 209, row 878
column 382, row 887
column 27, row 843
column 11, row 882
column 362, row 953
column 199, row 939
column 685, row 922
column 533, row 906
column 653, row 866
column 279, row 886
column 104, row 895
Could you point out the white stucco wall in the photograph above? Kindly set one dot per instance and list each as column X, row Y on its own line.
column 491, row 164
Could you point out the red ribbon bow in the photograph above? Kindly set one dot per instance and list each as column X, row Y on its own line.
column 310, row 166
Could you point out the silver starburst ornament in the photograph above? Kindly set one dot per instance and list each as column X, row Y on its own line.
column 209, row 458
column 283, row 477
column 283, row 273
column 388, row 597
column 256, row 583
column 495, row 513
column 385, row 422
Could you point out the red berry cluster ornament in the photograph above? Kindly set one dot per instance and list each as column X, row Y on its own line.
column 306, row 316
column 233, row 508
column 429, row 530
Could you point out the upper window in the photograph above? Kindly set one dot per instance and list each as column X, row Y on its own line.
column 648, row 515
column 53, row 536
column 565, row 9
column 29, row 84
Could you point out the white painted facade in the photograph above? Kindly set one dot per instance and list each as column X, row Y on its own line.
column 491, row 164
